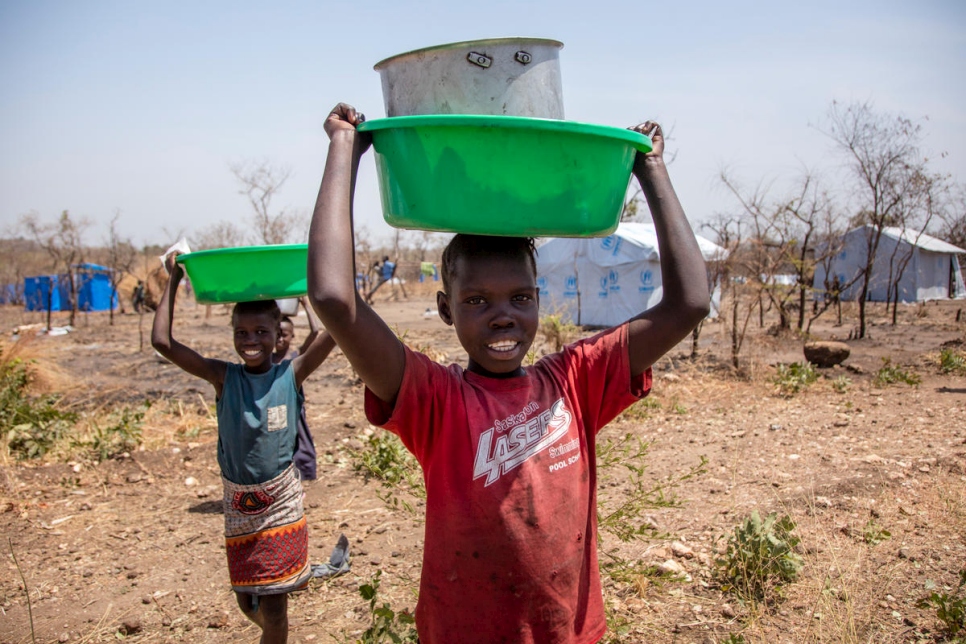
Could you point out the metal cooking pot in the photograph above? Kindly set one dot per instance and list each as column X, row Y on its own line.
column 500, row 76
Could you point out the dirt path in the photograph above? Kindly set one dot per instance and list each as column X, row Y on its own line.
column 133, row 545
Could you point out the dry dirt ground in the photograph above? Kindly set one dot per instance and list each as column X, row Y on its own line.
column 873, row 476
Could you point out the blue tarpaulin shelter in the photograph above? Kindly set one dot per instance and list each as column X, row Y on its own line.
column 93, row 287
column 11, row 294
column 43, row 290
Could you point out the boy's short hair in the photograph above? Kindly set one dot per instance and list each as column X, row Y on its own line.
column 257, row 308
column 485, row 246
column 285, row 320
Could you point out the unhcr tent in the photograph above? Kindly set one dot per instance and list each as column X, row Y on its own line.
column 605, row 281
column 94, row 291
column 932, row 271
column 41, row 290
column 93, row 286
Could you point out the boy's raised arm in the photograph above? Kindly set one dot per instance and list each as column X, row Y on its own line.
column 686, row 300
column 188, row 359
column 313, row 327
column 370, row 345
column 310, row 357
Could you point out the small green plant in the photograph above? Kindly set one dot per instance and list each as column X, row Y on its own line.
column 30, row 424
column 124, row 435
column 735, row 638
column 641, row 410
column 890, row 374
column 624, row 515
column 842, row 384
column 386, row 625
column 679, row 409
column 794, row 378
column 759, row 558
column 950, row 609
column 556, row 332
column 384, row 458
column 951, row 361
column 874, row 534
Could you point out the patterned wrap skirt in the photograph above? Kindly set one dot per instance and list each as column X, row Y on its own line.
column 266, row 536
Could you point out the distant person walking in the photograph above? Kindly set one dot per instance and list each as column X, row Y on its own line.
column 386, row 271
column 137, row 297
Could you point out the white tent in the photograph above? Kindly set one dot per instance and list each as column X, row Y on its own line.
column 931, row 272
column 605, row 281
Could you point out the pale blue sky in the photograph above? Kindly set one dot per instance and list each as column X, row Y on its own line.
column 141, row 106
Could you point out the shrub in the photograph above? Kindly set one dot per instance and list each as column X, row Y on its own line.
column 841, row 384
column 890, row 374
column 874, row 534
column 641, row 410
column 123, row 435
column 950, row 609
column 30, row 424
column 386, row 625
column 556, row 332
column 759, row 558
column 794, row 378
column 951, row 361
column 385, row 458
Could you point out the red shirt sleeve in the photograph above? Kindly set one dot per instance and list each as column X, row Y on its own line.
column 430, row 386
column 597, row 370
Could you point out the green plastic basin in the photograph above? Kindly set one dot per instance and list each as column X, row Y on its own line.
column 503, row 175
column 247, row 273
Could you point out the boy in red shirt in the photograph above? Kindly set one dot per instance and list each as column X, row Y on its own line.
column 507, row 451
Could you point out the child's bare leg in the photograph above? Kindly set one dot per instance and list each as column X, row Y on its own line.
column 271, row 615
column 274, row 615
column 247, row 605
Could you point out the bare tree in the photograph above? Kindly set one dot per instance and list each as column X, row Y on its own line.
column 62, row 241
column 744, row 295
column 121, row 258
column 261, row 183
column 785, row 239
column 21, row 258
column 222, row 234
column 954, row 218
column 889, row 174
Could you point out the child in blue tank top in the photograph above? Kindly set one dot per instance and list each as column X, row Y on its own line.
column 258, row 405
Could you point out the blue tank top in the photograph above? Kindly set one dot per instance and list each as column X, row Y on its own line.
column 257, row 423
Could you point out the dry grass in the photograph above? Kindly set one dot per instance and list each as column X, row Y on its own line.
column 46, row 376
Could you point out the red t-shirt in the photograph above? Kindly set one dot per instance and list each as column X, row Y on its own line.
column 511, row 485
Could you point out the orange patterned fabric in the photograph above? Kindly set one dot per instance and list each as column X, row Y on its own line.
column 266, row 535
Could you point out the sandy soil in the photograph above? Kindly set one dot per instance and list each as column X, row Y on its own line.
column 131, row 548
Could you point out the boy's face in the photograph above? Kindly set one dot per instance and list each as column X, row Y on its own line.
column 285, row 337
column 255, row 338
column 493, row 304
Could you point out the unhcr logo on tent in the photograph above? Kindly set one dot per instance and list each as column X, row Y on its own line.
column 570, row 286
column 542, row 286
column 647, row 282
column 608, row 284
column 612, row 244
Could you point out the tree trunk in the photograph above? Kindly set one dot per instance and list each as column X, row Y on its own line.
column 895, row 304
column 801, row 306
column 73, row 297
column 50, row 302
column 735, row 347
column 695, row 334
